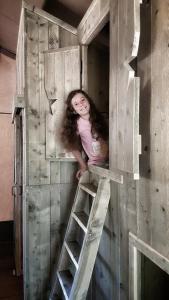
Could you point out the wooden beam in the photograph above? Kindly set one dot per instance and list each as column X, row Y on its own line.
column 93, row 21
column 156, row 257
column 114, row 176
column 49, row 17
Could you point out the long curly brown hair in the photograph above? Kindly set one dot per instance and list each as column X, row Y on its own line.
column 69, row 136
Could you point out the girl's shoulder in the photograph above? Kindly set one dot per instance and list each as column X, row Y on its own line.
column 83, row 124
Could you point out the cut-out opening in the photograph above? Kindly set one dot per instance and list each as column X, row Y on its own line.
column 154, row 281
column 98, row 71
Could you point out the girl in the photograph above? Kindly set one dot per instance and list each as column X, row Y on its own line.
column 84, row 127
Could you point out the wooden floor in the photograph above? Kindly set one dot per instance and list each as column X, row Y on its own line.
column 10, row 286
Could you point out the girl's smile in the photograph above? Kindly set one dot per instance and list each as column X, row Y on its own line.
column 81, row 105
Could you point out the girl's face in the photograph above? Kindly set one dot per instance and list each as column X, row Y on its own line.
column 81, row 105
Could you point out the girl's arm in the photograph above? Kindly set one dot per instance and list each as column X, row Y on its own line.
column 83, row 166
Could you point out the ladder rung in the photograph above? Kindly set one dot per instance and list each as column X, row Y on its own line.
column 73, row 249
column 66, row 281
column 82, row 219
column 89, row 188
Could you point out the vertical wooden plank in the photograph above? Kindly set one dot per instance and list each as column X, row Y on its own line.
column 144, row 71
column 72, row 67
column 53, row 36
column 128, row 222
column 114, row 201
column 84, row 76
column 55, row 225
column 44, row 165
column 65, row 68
column 18, row 195
column 32, row 62
column 126, row 114
column 68, row 172
column 39, row 219
column 33, row 244
column 45, row 239
column 55, row 172
column 159, row 125
column 49, row 83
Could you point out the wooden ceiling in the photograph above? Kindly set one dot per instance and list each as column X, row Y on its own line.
column 70, row 11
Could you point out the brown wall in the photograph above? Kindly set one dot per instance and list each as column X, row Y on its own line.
column 7, row 90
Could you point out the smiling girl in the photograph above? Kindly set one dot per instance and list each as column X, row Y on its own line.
column 84, row 127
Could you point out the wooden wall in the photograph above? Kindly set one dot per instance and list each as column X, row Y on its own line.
column 142, row 206
column 137, row 206
column 7, row 88
column 49, row 185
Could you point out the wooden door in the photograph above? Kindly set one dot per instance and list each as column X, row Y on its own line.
column 62, row 75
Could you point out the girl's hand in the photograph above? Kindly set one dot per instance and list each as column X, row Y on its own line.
column 80, row 172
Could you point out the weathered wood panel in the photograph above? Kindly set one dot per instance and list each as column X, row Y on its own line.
column 159, row 121
column 37, row 42
column 53, row 36
column 49, row 17
column 128, row 222
column 143, row 206
column 126, row 116
column 93, row 21
column 17, row 193
column 144, row 72
column 47, row 184
column 33, row 97
column 39, row 241
column 114, row 200
column 63, row 65
column 123, row 198
column 66, row 38
column 43, row 100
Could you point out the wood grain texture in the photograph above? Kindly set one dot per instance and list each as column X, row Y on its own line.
column 93, row 21
column 63, row 65
column 49, row 17
column 126, row 115
column 48, row 185
column 17, row 194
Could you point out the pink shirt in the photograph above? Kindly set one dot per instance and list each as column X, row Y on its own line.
column 91, row 146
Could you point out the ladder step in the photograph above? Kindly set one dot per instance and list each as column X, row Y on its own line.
column 82, row 219
column 73, row 249
column 89, row 188
column 66, row 281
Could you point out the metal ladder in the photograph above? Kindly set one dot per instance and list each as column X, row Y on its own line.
column 72, row 276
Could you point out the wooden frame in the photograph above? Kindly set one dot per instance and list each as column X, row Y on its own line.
column 17, row 193
column 136, row 248
column 93, row 21
column 49, row 17
column 67, row 61
column 125, row 87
